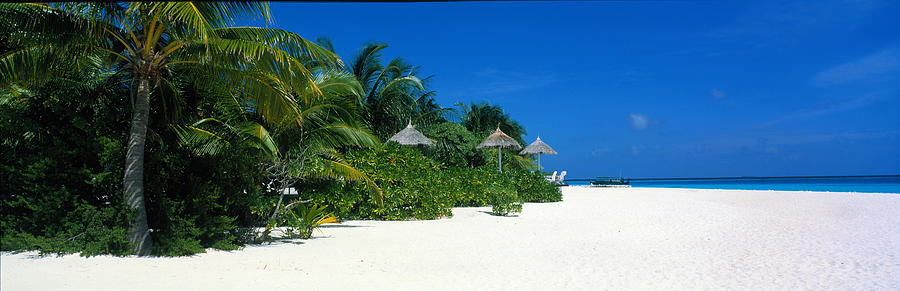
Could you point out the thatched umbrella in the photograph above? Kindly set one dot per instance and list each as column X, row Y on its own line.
column 499, row 140
column 411, row 136
column 538, row 147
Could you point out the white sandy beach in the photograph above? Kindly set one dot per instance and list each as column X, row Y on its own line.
column 631, row 238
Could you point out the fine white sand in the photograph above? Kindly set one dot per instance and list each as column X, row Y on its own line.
column 632, row 238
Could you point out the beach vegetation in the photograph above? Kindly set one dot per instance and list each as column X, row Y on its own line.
column 303, row 219
column 395, row 93
column 454, row 146
column 149, row 42
column 483, row 118
column 285, row 148
column 416, row 187
column 504, row 200
column 126, row 129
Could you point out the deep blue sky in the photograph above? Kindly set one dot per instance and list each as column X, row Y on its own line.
column 656, row 88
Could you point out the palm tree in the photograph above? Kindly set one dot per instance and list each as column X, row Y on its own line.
column 149, row 40
column 330, row 121
column 395, row 95
column 483, row 118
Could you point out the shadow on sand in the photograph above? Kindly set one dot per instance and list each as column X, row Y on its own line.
column 492, row 214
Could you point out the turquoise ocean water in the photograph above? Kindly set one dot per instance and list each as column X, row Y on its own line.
column 879, row 184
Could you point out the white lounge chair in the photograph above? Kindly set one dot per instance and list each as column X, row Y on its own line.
column 551, row 178
column 289, row 191
column 562, row 178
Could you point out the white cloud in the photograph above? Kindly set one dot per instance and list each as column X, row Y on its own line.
column 640, row 121
column 881, row 62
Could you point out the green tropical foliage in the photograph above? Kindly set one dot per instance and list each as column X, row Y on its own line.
column 60, row 185
column 150, row 41
column 482, row 119
column 395, row 95
column 330, row 120
column 415, row 186
column 504, row 200
column 63, row 154
column 201, row 125
column 304, row 219
column 454, row 145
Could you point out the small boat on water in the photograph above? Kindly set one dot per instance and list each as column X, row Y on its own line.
column 610, row 182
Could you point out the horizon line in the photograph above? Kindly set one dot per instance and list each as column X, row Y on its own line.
column 749, row 177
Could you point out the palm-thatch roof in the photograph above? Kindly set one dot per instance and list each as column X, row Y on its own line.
column 411, row 136
column 498, row 139
column 538, row 147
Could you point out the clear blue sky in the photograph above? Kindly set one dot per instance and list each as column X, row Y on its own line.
column 657, row 88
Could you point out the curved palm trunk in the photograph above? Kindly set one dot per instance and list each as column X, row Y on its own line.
column 139, row 235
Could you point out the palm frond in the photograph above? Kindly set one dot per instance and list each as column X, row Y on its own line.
column 203, row 17
column 367, row 64
column 200, row 141
column 258, row 91
column 397, row 85
column 258, row 136
column 289, row 42
column 338, row 135
column 31, row 63
column 336, row 169
column 326, row 43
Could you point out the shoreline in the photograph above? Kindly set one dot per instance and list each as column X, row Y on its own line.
column 623, row 238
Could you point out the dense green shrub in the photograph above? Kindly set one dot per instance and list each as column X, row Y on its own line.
column 504, row 200
column 415, row 187
column 194, row 203
column 403, row 174
column 469, row 185
column 532, row 187
column 61, row 163
column 454, row 146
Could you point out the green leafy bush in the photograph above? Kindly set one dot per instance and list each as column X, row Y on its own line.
column 532, row 187
column 415, row 187
column 195, row 203
column 469, row 185
column 60, row 166
column 504, row 200
column 62, row 154
column 454, row 145
column 403, row 174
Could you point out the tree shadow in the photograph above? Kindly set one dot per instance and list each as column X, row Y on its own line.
column 492, row 214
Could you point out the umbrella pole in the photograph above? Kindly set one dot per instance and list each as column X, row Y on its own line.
column 539, row 163
column 499, row 160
